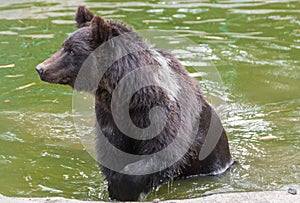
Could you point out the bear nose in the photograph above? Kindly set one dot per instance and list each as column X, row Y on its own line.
column 39, row 69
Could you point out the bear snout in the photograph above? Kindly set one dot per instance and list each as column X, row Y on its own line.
column 39, row 69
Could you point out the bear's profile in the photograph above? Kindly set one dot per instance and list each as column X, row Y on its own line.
column 192, row 140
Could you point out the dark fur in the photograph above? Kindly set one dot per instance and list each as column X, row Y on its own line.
column 63, row 67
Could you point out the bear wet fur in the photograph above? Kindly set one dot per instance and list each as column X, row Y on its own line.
column 63, row 68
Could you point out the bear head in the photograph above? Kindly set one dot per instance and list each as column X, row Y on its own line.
column 63, row 66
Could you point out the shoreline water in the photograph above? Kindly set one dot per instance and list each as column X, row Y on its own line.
column 253, row 197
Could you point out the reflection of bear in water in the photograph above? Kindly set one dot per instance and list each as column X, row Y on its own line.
column 124, row 183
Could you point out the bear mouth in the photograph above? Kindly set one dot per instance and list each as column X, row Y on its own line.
column 63, row 81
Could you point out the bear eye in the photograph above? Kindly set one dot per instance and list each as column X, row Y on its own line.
column 71, row 53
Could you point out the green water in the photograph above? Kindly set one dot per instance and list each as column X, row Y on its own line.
column 254, row 45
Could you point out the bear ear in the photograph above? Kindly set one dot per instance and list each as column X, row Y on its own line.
column 83, row 16
column 100, row 28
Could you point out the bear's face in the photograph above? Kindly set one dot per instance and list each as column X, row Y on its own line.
column 64, row 65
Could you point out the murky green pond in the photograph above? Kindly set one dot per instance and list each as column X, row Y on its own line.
column 253, row 44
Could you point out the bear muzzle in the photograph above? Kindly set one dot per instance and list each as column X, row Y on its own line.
column 39, row 69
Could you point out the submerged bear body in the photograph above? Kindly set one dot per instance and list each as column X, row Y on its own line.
column 192, row 134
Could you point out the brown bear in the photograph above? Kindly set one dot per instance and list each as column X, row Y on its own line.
column 163, row 130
